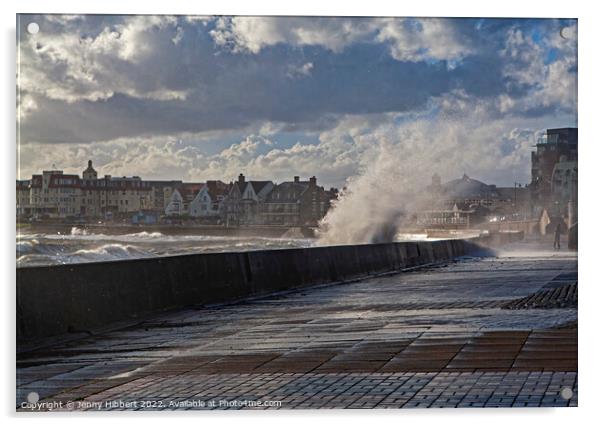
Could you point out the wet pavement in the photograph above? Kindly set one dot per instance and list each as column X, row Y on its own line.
column 455, row 335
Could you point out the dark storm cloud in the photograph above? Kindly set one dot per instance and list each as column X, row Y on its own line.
column 121, row 78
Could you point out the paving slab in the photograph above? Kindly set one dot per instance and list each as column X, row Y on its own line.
column 434, row 337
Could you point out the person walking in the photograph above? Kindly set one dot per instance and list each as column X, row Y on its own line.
column 557, row 237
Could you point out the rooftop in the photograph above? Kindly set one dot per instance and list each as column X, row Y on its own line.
column 466, row 187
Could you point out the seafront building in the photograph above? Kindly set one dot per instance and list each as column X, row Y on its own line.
column 554, row 178
column 54, row 195
column 554, row 171
column 550, row 198
column 297, row 202
column 466, row 201
column 290, row 203
column 209, row 201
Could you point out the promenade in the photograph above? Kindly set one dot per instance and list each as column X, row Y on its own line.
column 477, row 332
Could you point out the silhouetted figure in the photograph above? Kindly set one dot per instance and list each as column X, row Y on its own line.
column 557, row 237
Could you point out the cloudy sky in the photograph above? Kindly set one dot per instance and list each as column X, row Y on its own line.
column 199, row 98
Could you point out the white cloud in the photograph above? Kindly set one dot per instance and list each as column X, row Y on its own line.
column 251, row 34
column 409, row 39
column 26, row 104
column 423, row 39
column 553, row 83
column 68, row 66
column 463, row 139
column 461, row 132
column 300, row 71
column 77, row 68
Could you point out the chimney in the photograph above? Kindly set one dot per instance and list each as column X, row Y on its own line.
column 241, row 179
column 312, row 181
column 296, row 178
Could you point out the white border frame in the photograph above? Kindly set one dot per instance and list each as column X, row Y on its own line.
column 590, row 153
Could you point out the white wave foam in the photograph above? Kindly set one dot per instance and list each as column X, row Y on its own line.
column 109, row 252
column 78, row 231
column 45, row 254
column 80, row 247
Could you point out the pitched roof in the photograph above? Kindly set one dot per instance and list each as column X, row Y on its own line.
column 217, row 188
column 287, row 192
column 258, row 185
column 189, row 190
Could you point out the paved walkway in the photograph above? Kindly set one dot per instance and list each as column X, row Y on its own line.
column 448, row 336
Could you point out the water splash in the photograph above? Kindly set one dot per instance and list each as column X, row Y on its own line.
column 385, row 196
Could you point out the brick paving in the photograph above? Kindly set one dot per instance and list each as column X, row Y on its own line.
column 556, row 297
column 436, row 337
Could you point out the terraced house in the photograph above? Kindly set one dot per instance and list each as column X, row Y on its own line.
column 297, row 203
column 290, row 203
column 54, row 194
column 242, row 205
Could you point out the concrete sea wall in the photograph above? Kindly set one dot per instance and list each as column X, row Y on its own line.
column 62, row 299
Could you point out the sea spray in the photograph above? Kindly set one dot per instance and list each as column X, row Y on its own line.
column 390, row 189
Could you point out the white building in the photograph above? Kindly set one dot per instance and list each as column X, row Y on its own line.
column 175, row 204
column 181, row 198
column 209, row 201
column 202, row 205
column 54, row 194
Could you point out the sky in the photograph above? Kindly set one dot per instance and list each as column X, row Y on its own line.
column 197, row 98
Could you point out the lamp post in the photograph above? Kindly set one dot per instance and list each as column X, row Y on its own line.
column 515, row 204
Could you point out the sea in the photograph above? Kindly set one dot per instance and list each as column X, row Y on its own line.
column 81, row 245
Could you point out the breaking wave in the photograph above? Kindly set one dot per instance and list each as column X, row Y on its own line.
column 81, row 246
column 43, row 254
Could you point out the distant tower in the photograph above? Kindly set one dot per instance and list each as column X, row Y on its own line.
column 436, row 180
column 90, row 173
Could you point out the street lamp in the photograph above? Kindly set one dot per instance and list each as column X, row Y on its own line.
column 515, row 204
